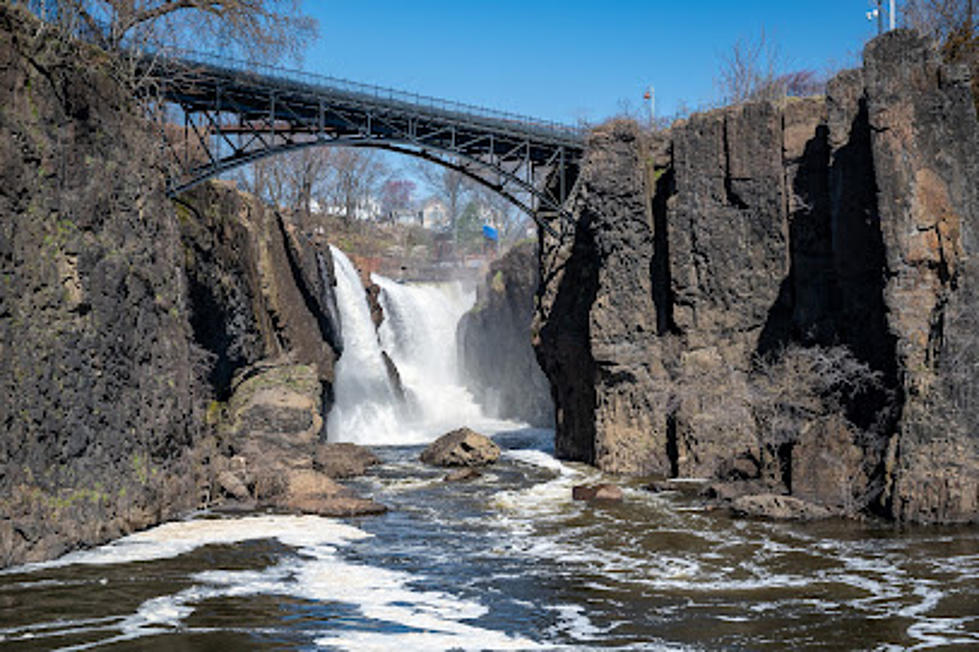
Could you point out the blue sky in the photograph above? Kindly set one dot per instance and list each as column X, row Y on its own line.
column 573, row 59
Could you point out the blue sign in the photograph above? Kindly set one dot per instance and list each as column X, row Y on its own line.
column 490, row 233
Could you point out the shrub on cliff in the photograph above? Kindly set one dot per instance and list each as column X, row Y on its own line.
column 794, row 391
column 798, row 383
column 954, row 26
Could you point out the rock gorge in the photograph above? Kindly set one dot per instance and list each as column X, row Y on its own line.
column 781, row 297
column 494, row 343
column 776, row 296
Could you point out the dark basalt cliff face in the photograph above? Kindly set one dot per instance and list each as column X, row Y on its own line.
column 97, row 394
column 494, row 342
column 257, row 287
column 781, row 297
column 122, row 315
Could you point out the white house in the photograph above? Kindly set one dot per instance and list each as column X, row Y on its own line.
column 435, row 214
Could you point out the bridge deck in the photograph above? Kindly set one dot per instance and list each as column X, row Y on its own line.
column 274, row 110
column 246, row 90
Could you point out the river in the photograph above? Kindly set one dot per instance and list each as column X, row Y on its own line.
column 507, row 561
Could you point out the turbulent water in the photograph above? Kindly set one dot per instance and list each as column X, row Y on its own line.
column 507, row 561
column 418, row 334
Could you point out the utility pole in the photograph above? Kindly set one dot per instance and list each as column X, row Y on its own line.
column 651, row 96
column 878, row 13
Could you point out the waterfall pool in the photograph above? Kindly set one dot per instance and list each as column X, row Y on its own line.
column 507, row 561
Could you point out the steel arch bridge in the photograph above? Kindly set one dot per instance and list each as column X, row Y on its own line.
column 235, row 113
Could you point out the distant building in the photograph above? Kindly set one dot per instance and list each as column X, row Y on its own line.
column 365, row 209
column 435, row 214
column 408, row 217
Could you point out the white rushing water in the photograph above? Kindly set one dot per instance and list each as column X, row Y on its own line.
column 418, row 334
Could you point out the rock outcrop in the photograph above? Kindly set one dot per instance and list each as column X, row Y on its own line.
column 925, row 144
column 343, row 460
column 780, row 507
column 494, row 342
column 257, row 288
column 781, row 295
column 462, row 447
column 123, row 314
column 97, row 391
column 268, row 452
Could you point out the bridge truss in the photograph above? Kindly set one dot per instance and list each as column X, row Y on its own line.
column 235, row 113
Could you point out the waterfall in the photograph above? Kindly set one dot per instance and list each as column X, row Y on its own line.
column 364, row 400
column 418, row 334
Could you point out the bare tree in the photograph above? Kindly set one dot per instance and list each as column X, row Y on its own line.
column 751, row 71
column 342, row 179
column 941, row 19
column 289, row 180
column 396, row 196
column 255, row 29
column 352, row 178
column 954, row 26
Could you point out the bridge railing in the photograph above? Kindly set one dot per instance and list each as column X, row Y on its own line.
column 330, row 83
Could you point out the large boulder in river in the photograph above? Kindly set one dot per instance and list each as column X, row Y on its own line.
column 343, row 460
column 462, row 447
column 312, row 492
column 780, row 507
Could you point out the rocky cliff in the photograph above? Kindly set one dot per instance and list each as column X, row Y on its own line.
column 123, row 314
column 780, row 296
column 494, row 342
column 257, row 287
column 97, row 392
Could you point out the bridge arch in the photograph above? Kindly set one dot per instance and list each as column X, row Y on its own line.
column 235, row 114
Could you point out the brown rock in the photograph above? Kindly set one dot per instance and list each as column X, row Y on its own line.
column 462, row 475
column 730, row 491
column 925, row 143
column 827, row 465
column 597, row 492
column 309, row 482
column 462, row 447
column 274, row 417
column 336, row 506
column 232, row 485
column 779, row 507
column 312, row 492
column 343, row 460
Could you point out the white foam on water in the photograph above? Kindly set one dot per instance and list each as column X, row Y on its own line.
column 428, row 641
column 418, row 619
column 943, row 632
column 543, row 460
column 180, row 537
column 573, row 621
